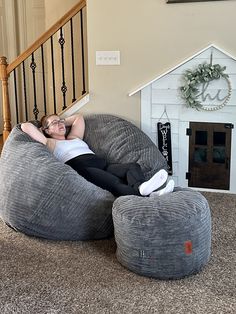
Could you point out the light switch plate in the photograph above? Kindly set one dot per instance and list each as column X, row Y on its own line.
column 107, row 57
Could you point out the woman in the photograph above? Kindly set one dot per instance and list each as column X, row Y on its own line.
column 119, row 179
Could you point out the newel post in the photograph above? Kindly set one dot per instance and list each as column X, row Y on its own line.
column 5, row 98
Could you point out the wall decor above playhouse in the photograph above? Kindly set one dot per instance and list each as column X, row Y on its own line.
column 197, row 101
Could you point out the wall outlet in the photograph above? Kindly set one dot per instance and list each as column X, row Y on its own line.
column 107, row 57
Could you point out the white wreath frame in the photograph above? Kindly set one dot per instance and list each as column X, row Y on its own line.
column 205, row 74
column 220, row 106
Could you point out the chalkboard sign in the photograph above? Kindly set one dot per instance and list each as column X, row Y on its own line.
column 164, row 143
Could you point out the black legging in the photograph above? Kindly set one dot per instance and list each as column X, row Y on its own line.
column 119, row 179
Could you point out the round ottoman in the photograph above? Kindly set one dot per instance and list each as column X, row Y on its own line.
column 165, row 237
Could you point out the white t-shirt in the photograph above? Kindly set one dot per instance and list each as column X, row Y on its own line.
column 67, row 149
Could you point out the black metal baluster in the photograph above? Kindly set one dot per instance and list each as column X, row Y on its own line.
column 25, row 92
column 53, row 77
column 16, row 97
column 82, row 50
column 44, row 86
column 72, row 60
column 33, row 67
column 63, row 86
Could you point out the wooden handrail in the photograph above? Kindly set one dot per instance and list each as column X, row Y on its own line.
column 52, row 30
column 5, row 97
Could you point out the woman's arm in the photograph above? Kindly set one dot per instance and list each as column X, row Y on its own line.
column 77, row 126
column 33, row 132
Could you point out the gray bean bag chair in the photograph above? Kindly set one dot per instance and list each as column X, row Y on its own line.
column 165, row 237
column 43, row 197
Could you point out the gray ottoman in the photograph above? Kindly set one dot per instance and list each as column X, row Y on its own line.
column 166, row 237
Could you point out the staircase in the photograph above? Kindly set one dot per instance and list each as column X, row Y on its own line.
column 50, row 76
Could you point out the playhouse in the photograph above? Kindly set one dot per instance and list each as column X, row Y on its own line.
column 198, row 142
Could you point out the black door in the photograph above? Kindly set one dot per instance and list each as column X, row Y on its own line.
column 209, row 155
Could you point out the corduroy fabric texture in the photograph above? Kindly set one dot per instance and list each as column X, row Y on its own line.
column 43, row 197
column 120, row 141
column 166, row 237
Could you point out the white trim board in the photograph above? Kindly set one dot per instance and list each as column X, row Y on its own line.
column 178, row 65
column 75, row 107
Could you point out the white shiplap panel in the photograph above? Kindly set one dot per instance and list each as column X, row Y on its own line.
column 181, row 112
column 162, row 96
column 210, row 97
column 153, row 137
column 221, row 83
column 175, row 180
column 208, row 116
column 229, row 109
column 169, row 81
column 172, row 97
column 232, row 79
column 174, row 139
column 175, row 168
column 172, row 111
column 174, row 81
column 175, row 154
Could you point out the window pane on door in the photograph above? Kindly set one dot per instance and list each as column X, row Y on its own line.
column 219, row 155
column 201, row 138
column 219, row 138
column 200, row 154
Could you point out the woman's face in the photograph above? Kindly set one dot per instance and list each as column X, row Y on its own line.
column 55, row 127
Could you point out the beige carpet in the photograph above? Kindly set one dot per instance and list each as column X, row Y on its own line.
column 40, row 276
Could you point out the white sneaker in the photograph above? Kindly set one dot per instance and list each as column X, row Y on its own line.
column 168, row 189
column 154, row 183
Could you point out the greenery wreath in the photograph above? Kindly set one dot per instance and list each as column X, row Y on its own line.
column 202, row 74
